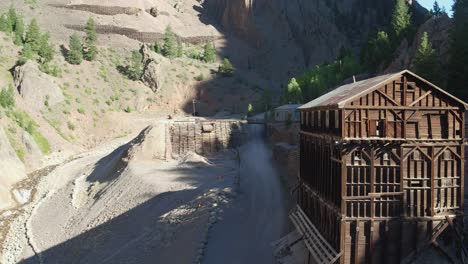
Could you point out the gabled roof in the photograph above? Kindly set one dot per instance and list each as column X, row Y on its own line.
column 349, row 92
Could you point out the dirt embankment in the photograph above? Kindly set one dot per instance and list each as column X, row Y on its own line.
column 120, row 203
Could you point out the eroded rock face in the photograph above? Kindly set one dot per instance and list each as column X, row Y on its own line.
column 33, row 155
column 438, row 30
column 152, row 76
column 12, row 171
column 36, row 87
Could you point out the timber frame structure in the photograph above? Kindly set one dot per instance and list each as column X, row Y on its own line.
column 381, row 166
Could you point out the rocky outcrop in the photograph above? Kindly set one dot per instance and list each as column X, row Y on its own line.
column 290, row 35
column 438, row 30
column 36, row 87
column 33, row 155
column 152, row 76
column 12, row 171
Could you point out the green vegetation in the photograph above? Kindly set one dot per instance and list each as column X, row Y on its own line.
column 319, row 79
column 169, row 48
column 436, row 11
column 81, row 110
column 19, row 149
column 51, row 69
column 180, row 49
column 401, row 20
column 90, row 50
column 457, row 68
column 74, row 55
column 226, row 68
column 293, row 92
column 134, row 70
column 199, row 77
column 426, row 62
column 209, row 53
column 7, row 97
column 24, row 121
column 378, row 52
column 250, row 109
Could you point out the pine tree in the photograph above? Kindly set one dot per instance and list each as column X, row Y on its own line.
column 12, row 16
column 5, row 24
column 425, row 62
column 180, row 49
column 26, row 54
column 46, row 50
column 170, row 44
column 74, row 55
column 401, row 19
column 89, row 48
column 209, row 53
column 458, row 70
column 19, row 30
column 377, row 52
column 157, row 47
column 436, row 11
column 33, row 35
column 135, row 69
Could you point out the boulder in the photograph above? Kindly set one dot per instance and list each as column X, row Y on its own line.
column 152, row 76
column 12, row 171
column 33, row 155
column 36, row 87
column 154, row 11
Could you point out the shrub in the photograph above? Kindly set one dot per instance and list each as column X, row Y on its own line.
column 209, row 53
column 226, row 68
column 50, row 69
column 200, row 77
column 7, row 97
column 70, row 125
column 81, row 110
column 134, row 71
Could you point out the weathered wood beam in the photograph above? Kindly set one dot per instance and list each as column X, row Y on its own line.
column 388, row 97
column 420, row 98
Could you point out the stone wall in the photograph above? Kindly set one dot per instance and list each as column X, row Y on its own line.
column 204, row 137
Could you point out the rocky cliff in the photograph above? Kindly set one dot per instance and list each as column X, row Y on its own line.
column 300, row 33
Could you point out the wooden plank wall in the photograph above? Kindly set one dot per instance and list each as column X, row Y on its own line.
column 205, row 138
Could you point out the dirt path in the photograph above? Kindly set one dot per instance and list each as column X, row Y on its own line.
column 257, row 217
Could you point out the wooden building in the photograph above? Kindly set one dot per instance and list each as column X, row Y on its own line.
column 381, row 169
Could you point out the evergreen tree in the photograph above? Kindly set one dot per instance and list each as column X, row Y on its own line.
column 46, row 50
column 436, row 10
column 89, row 48
column 12, row 16
column 209, row 53
column 401, row 20
column 250, row 109
column 426, row 63
column 19, row 30
column 5, row 24
column 378, row 52
column 170, row 44
column 135, row 69
column 33, row 35
column 74, row 55
column 458, row 70
column 157, row 47
column 180, row 49
column 26, row 54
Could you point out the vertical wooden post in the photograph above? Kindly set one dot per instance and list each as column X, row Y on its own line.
column 372, row 183
column 402, row 183
column 356, row 244
column 432, row 182
column 462, row 179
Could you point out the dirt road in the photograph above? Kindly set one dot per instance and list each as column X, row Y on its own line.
column 257, row 217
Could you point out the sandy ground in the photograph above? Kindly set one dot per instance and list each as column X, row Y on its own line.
column 92, row 210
